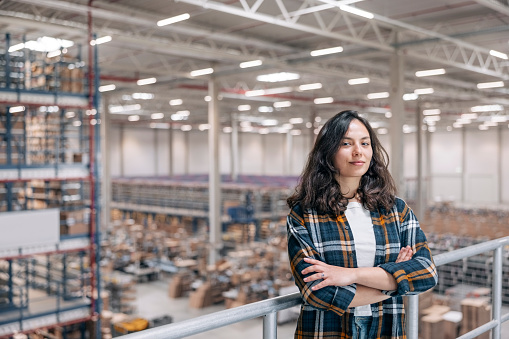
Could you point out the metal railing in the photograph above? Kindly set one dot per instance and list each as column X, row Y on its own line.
column 268, row 308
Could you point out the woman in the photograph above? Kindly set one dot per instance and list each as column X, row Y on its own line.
column 355, row 248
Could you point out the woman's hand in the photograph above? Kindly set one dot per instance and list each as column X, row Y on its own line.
column 340, row 276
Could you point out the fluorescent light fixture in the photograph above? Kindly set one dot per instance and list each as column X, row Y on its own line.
column 157, row 116
column 203, row 127
column 277, row 77
column 358, row 81
column 178, row 117
column 100, row 40
column 483, row 127
column 377, row 110
column 269, row 91
column 203, row 71
column 146, row 81
column 410, row 96
column 160, row 125
column 295, row 121
column 421, row 91
column 76, row 123
column 431, row 111
column 186, row 128
column 408, row 129
column 498, row 54
column 207, row 98
column 263, row 131
column 487, row 108
column 176, row 102
column 296, row 132
column 325, row 51
column 493, row 84
column 16, row 47
column 490, row 123
column 265, row 109
column 173, row 19
column 255, row 93
column 53, row 54
column 107, row 88
column 388, row 115
column 430, row 72
column 325, row 100
column 70, row 114
column 252, row 63
column 48, row 44
column 184, row 113
column 499, row 118
column 432, row 129
column 378, row 95
column 243, row 108
column 469, row 116
column 133, row 118
column 432, row 118
column 307, row 87
column 463, row 121
column 16, row 109
column 457, row 125
column 282, row 104
column 122, row 109
column 356, row 11
column 287, row 126
column 227, row 129
column 269, row 122
column 247, row 129
column 143, row 96
column 244, row 124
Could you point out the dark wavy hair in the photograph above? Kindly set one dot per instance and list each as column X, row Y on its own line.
column 318, row 188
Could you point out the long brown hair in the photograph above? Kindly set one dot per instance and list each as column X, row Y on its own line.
column 318, row 188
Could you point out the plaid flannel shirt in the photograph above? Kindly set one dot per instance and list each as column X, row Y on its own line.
column 325, row 313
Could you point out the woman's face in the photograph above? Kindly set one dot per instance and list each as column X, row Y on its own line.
column 354, row 154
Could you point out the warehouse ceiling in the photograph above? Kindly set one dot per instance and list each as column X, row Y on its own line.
column 468, row 41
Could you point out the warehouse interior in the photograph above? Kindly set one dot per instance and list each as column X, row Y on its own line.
column 147, row 149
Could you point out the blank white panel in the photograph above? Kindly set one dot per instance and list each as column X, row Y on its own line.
column 114, row 149
column 26, row 228
column 225, row 153
column 482, row 154
column 505, row 166
column 274, row 154
column 446, row 152
column 163, row 151
column 300, row 153
column 180, row 151
column 139, row 152
column 410, row 155
column 198, row 152
column 385, row 140
column 481, row 189
column 446, row 188
column 250, row 153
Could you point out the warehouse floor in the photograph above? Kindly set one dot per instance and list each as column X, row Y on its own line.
column 153, row 301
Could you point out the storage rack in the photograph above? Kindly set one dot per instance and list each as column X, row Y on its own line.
column 47, row 160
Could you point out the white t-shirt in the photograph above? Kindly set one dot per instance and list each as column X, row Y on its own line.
column 361, row 225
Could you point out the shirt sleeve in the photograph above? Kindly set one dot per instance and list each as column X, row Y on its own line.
column 300, row 245
column 418, row 274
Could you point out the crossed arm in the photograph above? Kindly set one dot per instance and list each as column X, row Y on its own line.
column 370, row 280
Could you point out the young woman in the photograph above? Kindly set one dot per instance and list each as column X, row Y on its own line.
column 355, row 248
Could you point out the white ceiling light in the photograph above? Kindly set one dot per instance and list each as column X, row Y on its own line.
column 146, row 81
column 173, row 19
column 160, row 125
column 494, row 84
column 16, row 109
column 76, row 123
column 326, row 51
column 178, row 117
column 277, row 77
column 100, row 40
column 431, row 111
column 431, row 118
column 499, row 118
column 430, row 72
column 125, row 108
column 358, row 81
column 498, row 54
column 47, row 44
column 483, row 127
column 176, row 102
column 490, row 124
column 269, row 122
column 463, row 121
column 252, row 63
column 157, row 116
column 307, row 87
column 16, row 47
column 207, row 98
column 388, row 115
column 282, row 104
column 184, row 113
column 70, row 114
column 203, row 71
column 326, row 100
column 432, row 129
column 487, row 108
column 53, row 54
column 379, row 95
column 133, row 118
column 457, row 125
column 143, row 96
column 186, row 128
column 356, row 11
column 265, row 109
column 263, row 131
column 243, row 108
column 287, row 126
column 203, row 127
column 107, row 88
column 421, row 91
column 410, row 96
column 269, row 91
column 245, row 123
column 295, row 121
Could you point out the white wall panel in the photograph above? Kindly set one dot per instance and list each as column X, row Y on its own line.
column 446, row 153
column 163, row 152
column 410, row 155
column 139, row 152
column 225, row 156
column 198, row 152
column 180, row 152
column 300, row 152
column 26, row 228
column 115, row 150
column 504, row 185
column 250, row 153
column 274, row 154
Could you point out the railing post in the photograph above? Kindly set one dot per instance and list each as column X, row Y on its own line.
column 412, row 317
column 270, row 326
column 496, row 293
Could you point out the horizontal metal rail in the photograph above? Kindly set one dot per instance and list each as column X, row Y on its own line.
column 269, row 308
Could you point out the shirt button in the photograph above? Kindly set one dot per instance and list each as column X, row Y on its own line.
column 347, row 228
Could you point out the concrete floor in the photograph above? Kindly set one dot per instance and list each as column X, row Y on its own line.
column 153, row 301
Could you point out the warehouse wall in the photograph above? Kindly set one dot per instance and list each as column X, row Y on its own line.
column 146, row 152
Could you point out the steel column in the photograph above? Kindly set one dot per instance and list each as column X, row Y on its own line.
column 496, row 292
column 412, row 317
column 270, row 326
column 234, row 148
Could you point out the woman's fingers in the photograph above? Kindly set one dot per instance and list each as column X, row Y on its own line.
column 314, row 277
column 405, row 254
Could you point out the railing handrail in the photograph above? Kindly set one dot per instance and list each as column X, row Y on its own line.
column 266, row 307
